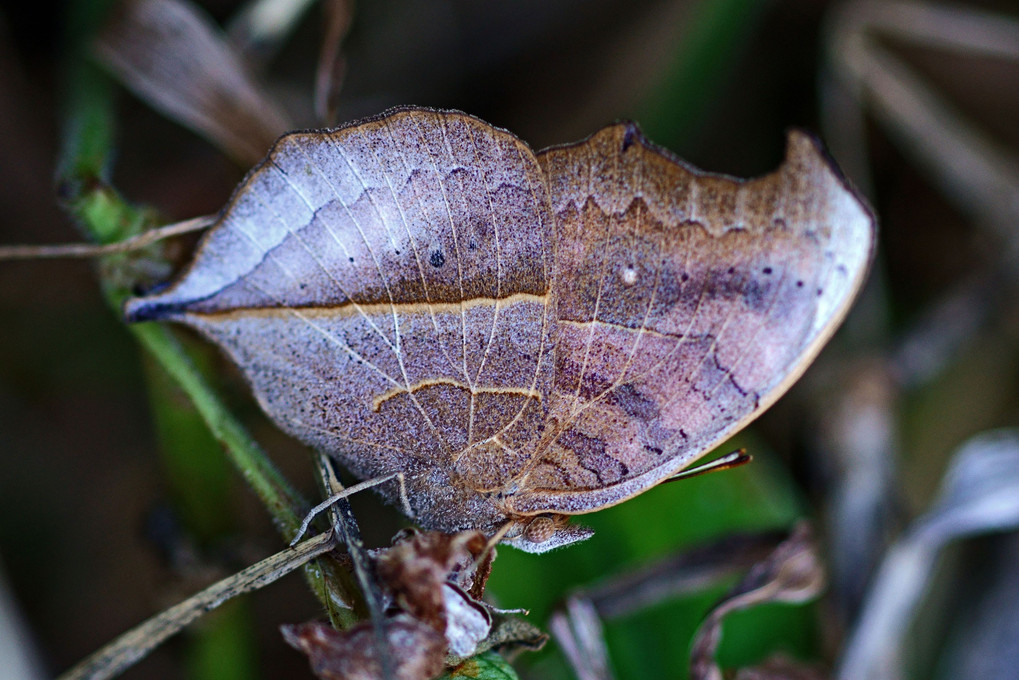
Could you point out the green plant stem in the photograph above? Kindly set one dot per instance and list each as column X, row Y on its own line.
column 104, row 217
column 258, row 471
column 143, row 638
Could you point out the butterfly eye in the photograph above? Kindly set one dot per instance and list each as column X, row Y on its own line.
column 541, row 529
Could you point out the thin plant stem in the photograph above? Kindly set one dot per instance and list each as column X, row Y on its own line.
column 258, row 471
column 87, row 250
column 136, row 643
column 345, row 527
column 105, row 217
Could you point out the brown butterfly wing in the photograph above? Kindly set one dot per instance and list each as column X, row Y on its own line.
column 383, row 287
column 686, row 303
column 394, row 291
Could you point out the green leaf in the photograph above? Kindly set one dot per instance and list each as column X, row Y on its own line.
column 487, row 666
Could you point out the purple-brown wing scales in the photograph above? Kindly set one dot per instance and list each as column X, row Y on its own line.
column 518, row 335
column 685, row 304
column 384, row 288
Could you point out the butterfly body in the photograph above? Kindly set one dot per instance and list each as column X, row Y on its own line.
column 521, row 335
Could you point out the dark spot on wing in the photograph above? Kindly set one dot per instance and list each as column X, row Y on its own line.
column 592, row 456
column 634, row 403
column 727, row 284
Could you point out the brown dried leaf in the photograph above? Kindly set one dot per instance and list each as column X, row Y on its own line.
column 524, row 336
column 417, row 568
column 468, row 622
column 423, row 570
column 417, row 651
column 791, row 574
column 510, row 635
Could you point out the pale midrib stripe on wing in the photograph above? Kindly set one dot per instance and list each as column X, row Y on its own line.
column 383, row 397
column 349, row 309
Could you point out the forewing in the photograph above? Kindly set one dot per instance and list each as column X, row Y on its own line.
column 686, row 304
column 383, row 288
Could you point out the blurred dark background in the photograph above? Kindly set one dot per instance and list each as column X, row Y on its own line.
column 99, row 528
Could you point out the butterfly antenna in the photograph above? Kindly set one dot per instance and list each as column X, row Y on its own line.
column 492, row 542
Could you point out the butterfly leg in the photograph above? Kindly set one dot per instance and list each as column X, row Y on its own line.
column 726, row 462
column 349, row 491
column 404, row 498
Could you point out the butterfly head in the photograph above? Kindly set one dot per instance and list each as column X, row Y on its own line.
column 544, row 532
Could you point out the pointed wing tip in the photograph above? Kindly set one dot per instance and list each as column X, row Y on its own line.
column 804, row 149
column 150, row 309
column 631, row 134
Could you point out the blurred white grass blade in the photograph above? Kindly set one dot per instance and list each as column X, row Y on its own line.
column 977, row 174
column 17, row 653
column 690, row 571
column 983, row 642
column 936, row 337
column 173, row 57
column 858, row 436
column 792, row 574
column 945, row 26
column 332, row 65
column 261, row 26
column 579, row 633
column 980, row 493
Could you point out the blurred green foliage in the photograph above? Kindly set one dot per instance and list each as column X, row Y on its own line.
column 668, row 518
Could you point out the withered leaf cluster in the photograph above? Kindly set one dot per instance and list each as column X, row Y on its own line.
column 433, row 584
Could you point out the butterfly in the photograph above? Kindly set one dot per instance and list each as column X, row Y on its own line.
column 518, row 336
